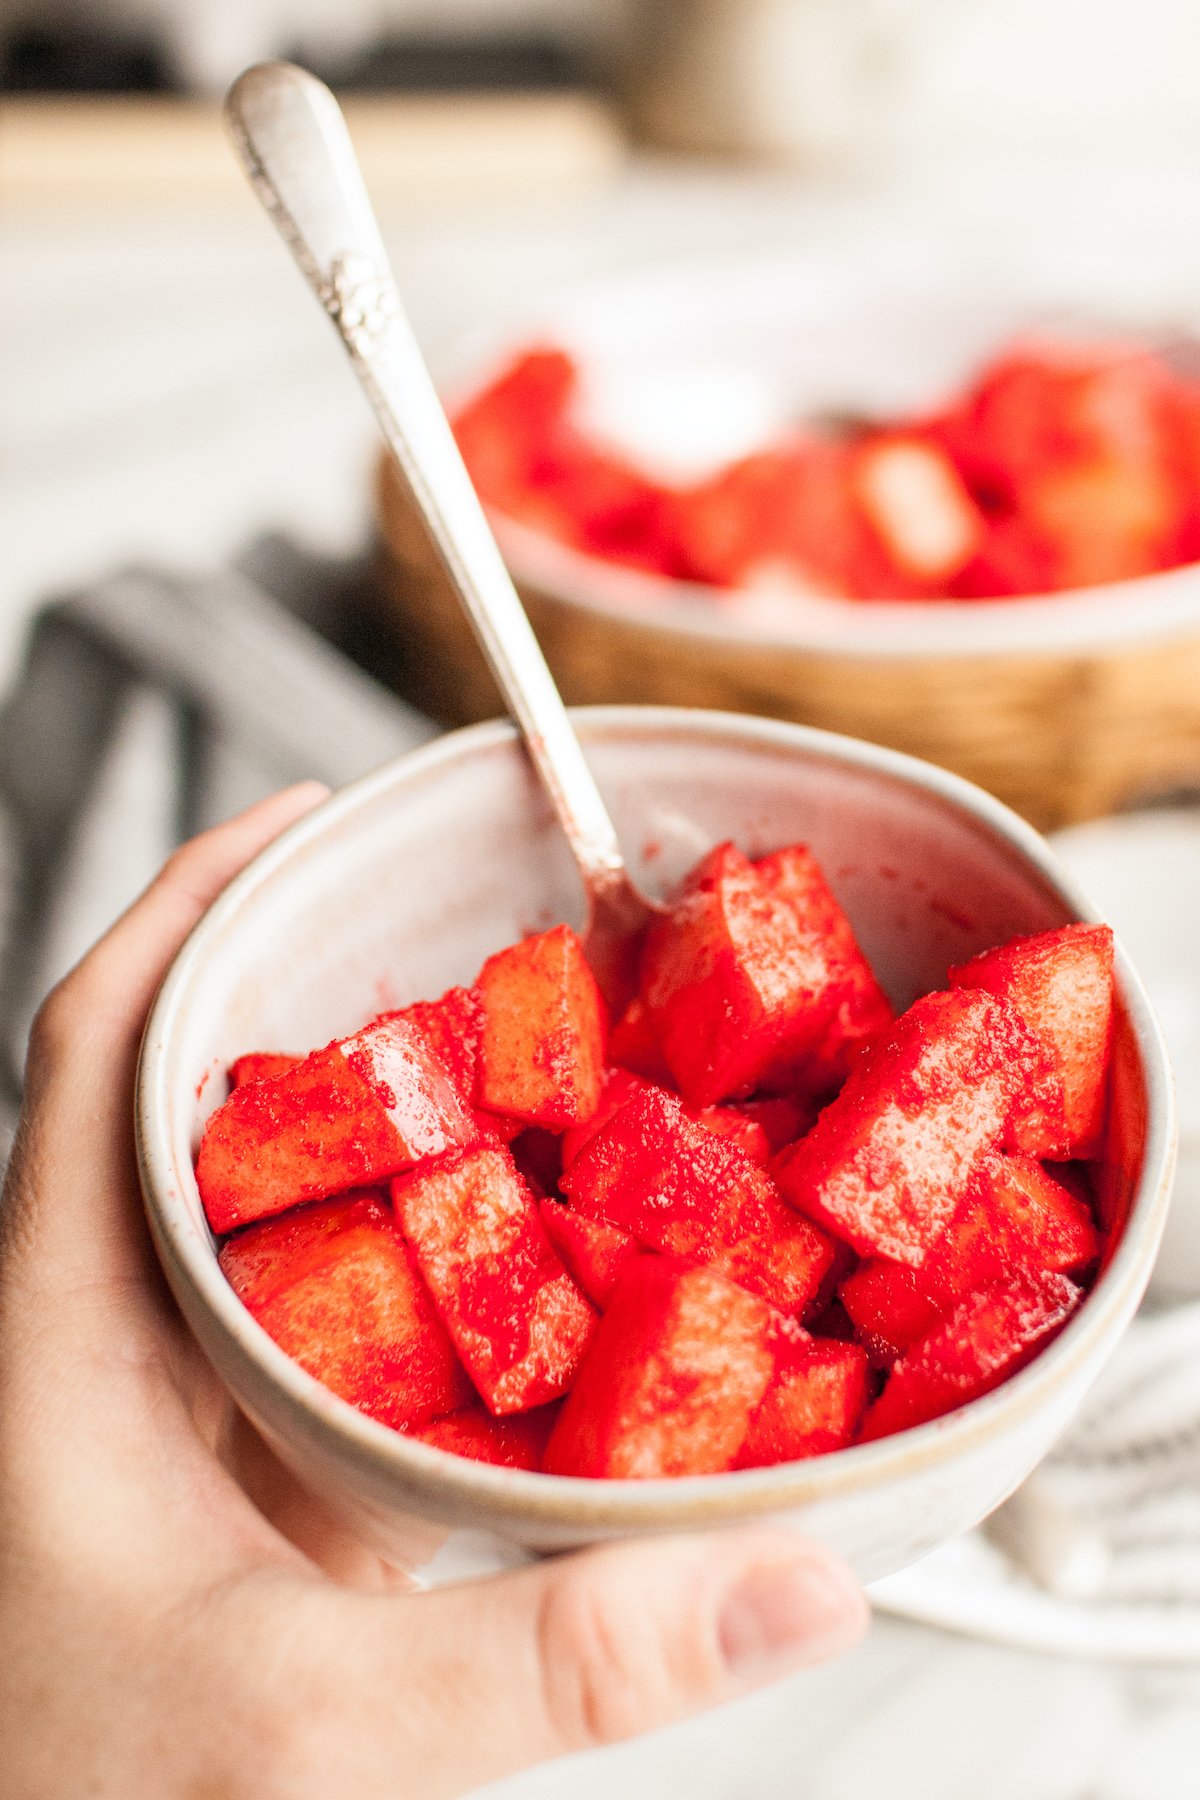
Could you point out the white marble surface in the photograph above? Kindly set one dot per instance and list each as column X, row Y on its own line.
column 169, row 389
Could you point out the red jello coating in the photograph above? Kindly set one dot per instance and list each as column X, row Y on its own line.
column 334, row 1284
column 517, row 1319
column 888, row 1161
column 680, row 1189
column 988, row 1337
column 679, row 1362
column 1061, row 983
column 542, row 1044
column 349, row 1115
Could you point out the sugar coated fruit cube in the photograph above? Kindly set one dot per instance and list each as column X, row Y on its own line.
column 888, row 1161
column 679, row 1362
column 260, row 1065
column 517, row 1319
column 813, row 1404
column 349, row 1115
column 1015, row 1216
column 336, row 1287
column 967, row 1353
column 517, row 1442
column 594, row 1253
column 1061, row 983
column 681, row 1189
column 542, row 1048
column 755, row 978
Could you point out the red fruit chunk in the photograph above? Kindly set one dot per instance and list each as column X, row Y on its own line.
column 335, row 1286
column 500, row 432
column 632, row 1044
column 1061, row 983
column 1016, row 1217
column 889, row 1305
column 451, row 1027
column 676, row 1187
column 988, row 1337
column 619, row 1086
column 260, row 1065
column 679, row 1362
column 888, row 1161
column 814, row 1403
column 351, row 1114
column 918, row 506
column 517, row 1319
column 515, row 1443
column 595, row 1254
column 541, row 1054
column 755, row 978
column 733, row 1123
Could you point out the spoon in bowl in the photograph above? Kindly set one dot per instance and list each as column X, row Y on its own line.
column 292, row 139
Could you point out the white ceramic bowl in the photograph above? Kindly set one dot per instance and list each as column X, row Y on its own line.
column 404, row 882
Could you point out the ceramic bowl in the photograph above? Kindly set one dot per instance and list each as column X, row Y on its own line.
column 1066, row 705
column 402, row 883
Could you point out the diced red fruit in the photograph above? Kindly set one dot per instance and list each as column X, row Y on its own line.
column 451, row 1027
column 815, row 1402
column 517, row 1319
column 621, row 1085
column 1015, row 1217
column 260, row 1065
column 334, row 1284
column 517, row 1442
column 594, row 1253
column 632, row 1044
column 755, row 978
column 988, row 1337
column 542, row 1044
column 354, row 1113
column 500, row 432
column 1061, row 983
column 918, row 506
column 678, row 1188
column 680, row 1360
column 891, row 1157
column 733, row 1123
column 889, row 1304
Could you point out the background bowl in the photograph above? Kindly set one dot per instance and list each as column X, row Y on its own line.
column 405, row 881
column 1067, row 705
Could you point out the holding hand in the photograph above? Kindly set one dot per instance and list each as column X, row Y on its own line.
column 178, row 1618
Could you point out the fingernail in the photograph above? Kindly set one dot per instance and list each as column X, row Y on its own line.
column 784, row 1613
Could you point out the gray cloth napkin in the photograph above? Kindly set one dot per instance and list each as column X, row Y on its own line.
column 149, row 706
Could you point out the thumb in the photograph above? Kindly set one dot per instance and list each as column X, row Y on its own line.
column 585, row 1650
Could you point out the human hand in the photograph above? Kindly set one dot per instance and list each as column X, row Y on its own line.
column 178, row 1618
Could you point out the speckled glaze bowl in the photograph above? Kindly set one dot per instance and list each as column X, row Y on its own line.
column 404, row 882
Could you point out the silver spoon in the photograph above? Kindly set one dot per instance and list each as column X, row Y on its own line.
column 292, row 140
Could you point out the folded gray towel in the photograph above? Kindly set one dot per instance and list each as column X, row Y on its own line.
column 148, row 707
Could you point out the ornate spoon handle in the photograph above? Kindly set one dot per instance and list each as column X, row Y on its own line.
column 292, row 139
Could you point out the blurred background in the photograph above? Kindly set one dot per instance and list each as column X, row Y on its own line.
column 194, row 605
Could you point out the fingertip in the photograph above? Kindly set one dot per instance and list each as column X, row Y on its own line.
column 788, row 1605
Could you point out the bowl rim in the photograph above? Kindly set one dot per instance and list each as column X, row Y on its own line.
column 1145, row 609
column 449, row 1484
